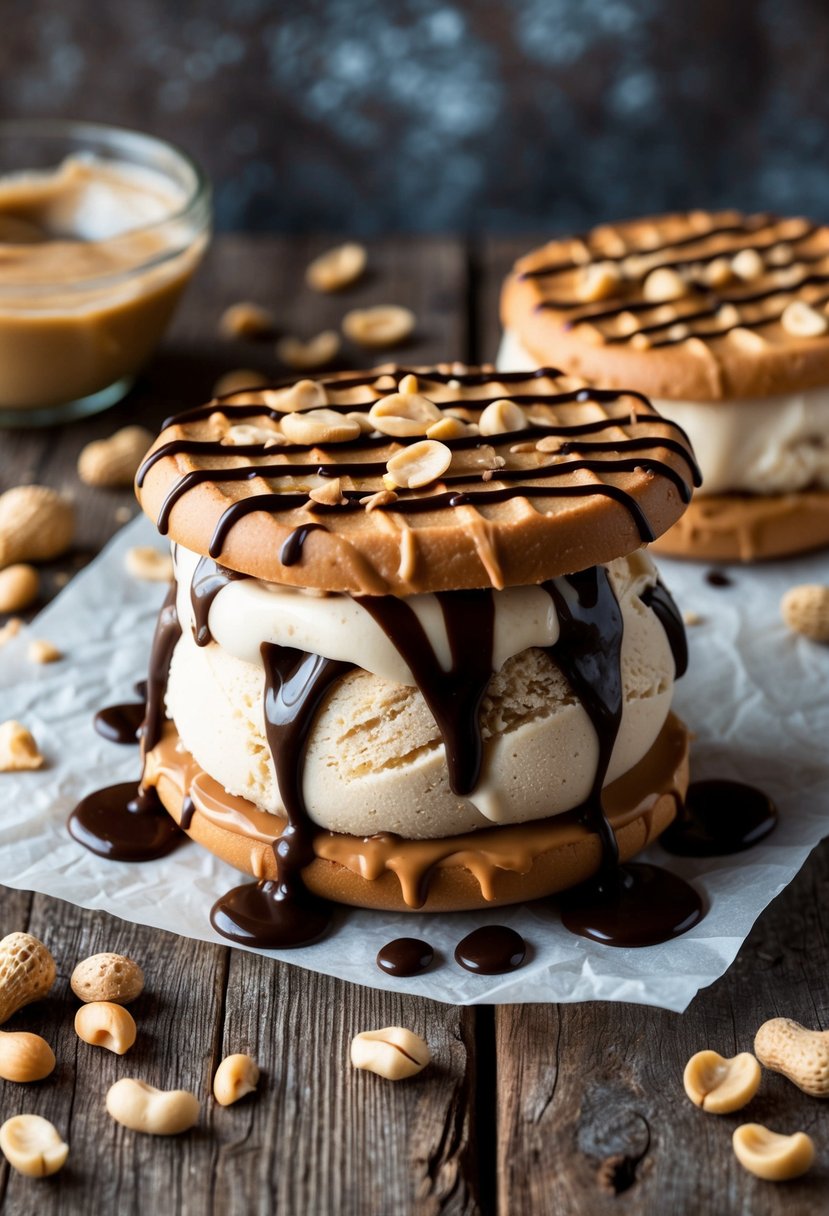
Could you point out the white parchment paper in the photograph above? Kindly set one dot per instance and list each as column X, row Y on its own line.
column 756, row 696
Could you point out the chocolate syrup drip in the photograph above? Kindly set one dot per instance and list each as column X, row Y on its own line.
column 634, row 904
column 292, row 546
column 209, row 578
column 282, row 913
column 120, row 723
column 642, row 905
column 491, row 950
column 140, row 689
column 122, row 823
column 188, row 810
column 717, row 578
column 720, row 818
column 405, row 956
column 126, row 822
column 453, row 697
column 660, row 600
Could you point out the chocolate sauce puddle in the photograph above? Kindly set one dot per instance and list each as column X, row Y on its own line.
column 405, row 956
column 209, row 578
column 491, row 950
column 453, row 697
column 720, row 818
column 120, row 723
column 125, row 822
column 635, row 904
column 282, row 913
column 717, row 578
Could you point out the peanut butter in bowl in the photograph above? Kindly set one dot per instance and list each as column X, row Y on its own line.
column 100, row 231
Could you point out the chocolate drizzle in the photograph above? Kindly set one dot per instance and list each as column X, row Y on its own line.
column 209, row 578
column 454, row 697
column 660, row 600
column 292, row 546
column 283, row 914
column 720, row 818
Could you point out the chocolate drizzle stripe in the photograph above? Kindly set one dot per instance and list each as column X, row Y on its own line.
column 167, row 634
column 208, row 580
column 660, row 600
column 292, row 546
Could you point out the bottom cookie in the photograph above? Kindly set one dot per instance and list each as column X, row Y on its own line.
column 748, row 528
column 498, row 865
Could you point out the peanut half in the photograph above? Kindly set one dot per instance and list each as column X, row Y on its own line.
column 802, row 321
column 237, row 380
column 105, row 1024
column 32, row 1146
column 721, row 1085
column 802, row 1055
column 663, row 285
column 383, row 325
column 18, row 750
column 337, row 268
column 404, row 415
column 319, row 426
column 599, row 281
column 157, row 1112
column 417, row 465
column 246, row 320
column 19, row 587
column 306, row 356
column 24, row 1057
column 42, row 651
column 107, row 977
column 393, row 1052
column 36, row 524
column 236, row 1076
column 502, row 416
column 769, row 1155
column 147, row 564
column 27, row 973
column 114, row 462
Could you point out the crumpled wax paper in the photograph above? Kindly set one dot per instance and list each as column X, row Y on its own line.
column 756, row 696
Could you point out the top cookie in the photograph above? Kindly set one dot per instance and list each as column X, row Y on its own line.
column 393, row 482
column 699, row 306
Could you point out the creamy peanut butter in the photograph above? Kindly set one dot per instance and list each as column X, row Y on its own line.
column 94, row 255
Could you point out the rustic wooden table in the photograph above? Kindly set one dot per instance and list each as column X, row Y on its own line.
column 526, row 1109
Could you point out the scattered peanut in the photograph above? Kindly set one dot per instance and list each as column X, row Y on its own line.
column 123, row 514
column 392, row 1052
column 144, row 562
column 32, row 1146
column 691, row 618
column 246, row 320
column 383, row 325
column 599, row 281
column 24, row 1057
column 42, row 651
column 319, row 426
column 747, row 264
column 802, row 1055
column 417, row 465
column 802, row 321
column 721, row 1085
column 502, row 416
column 105, row 1024
column 769, row 1155
column 18, row 749
column 329, row 494
column 237, row 381
column 337, row 268
column 246, row 432
column 143, row 1108
column 304, row 395
column 36, row 524
column 236, row 1076
column 805, row 609
column 663, row 285
column 107, row 977
column 114, row 462
column 382, row 498
column 403, row 414
column 305, row 356
column 10, row 630
column 451, row 428
column 27, row 973
column 19, row 588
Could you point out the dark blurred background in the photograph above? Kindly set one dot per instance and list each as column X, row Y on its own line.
column 367, row 116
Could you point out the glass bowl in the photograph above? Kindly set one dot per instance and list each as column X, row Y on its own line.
column 100, row 231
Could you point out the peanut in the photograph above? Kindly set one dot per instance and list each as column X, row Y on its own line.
column 747, row 264
column 236, row 1076
column 246, row 320
column 718, row 272
column 36, row 524
column 41, row 651
column 143, row 1108
column 393, row 1052
column 802, row 321
column 104, row 1024
column 599, row 281
column 383, row 325
column 246, row 433
column 319, row 427
column 337, row 268
column 24, row 1057
column 664, row 285
column 403, row 414
column 501, row 416
column 306, row 356
column 146, row 563
column 805, row 609
column 114, row 462
column 769, row 1155
column 32, row 1146
column 19, row 588
column 304, row 395
column 10, row 630
column 18, row 749
column 451, row 428
column 27, row 972
column 721, row 1085
column 417, row 465
column 802, row 1055
column 107, row 977
column 237, row 381
column 329, row 494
